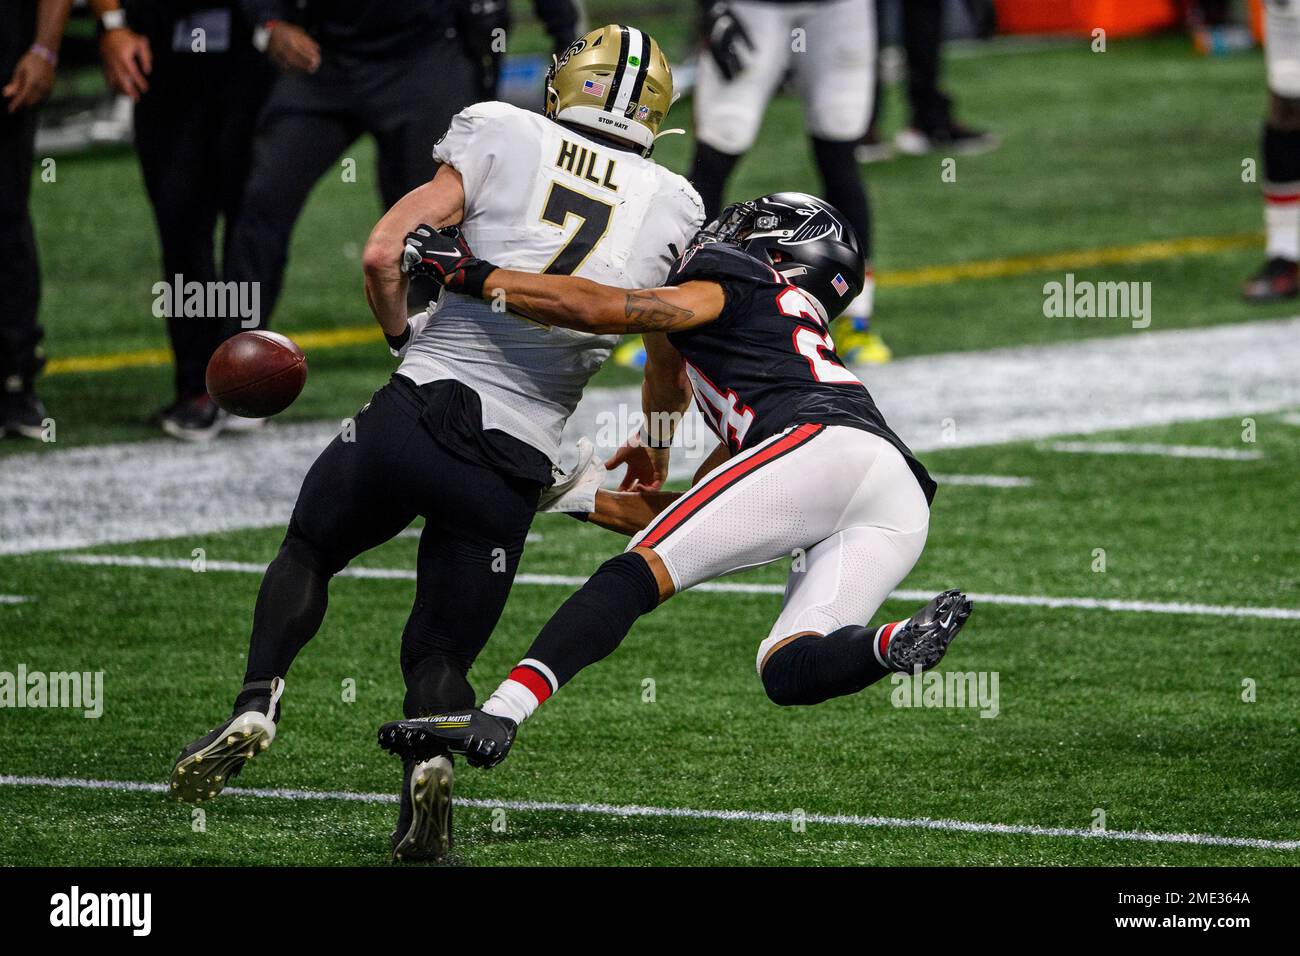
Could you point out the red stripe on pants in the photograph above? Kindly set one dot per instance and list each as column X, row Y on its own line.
column 697, row 498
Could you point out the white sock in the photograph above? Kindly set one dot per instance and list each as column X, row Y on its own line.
column 529, row 684
column 513, row 700
column 1282, row 222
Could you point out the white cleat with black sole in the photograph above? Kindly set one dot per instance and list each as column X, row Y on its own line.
column 424, row 821
column 206, row 765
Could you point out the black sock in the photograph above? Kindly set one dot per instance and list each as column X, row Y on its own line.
column 1281, row 155
column 593, row 621
column 844, row 189
column 290, row 607
column 709, row 172
column 812, row 668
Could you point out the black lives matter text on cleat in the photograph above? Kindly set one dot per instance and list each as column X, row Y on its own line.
column 924, row 639
column 482, row 738
column 424, row 817
column 206, row 765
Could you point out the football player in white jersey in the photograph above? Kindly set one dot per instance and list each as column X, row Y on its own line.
column 828, row 48
column 1279, row 277
column 467, row 432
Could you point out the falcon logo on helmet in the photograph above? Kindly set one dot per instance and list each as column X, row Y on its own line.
column 615, row 81
column 803, row 238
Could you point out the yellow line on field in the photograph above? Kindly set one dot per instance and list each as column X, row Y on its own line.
column 903, row 278
column 321, row 339
column 1079, row 259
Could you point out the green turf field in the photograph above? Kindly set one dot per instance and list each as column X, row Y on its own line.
column 1133, row 708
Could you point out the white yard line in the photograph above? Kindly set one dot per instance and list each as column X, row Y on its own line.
column 983, row 481
column 724, row 587
column 1152, row 448
column 13, row 599
column 741, row 816
column 79, row 497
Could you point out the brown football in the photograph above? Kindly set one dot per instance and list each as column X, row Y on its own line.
column 256, row 374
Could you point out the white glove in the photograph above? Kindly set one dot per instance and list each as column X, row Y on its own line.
column 575, row 491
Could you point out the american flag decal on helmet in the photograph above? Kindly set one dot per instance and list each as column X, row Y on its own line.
column 840, row 285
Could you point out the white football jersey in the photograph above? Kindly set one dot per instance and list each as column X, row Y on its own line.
column 540, row 197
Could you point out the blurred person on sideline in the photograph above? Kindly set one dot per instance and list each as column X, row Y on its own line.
column 30, row 33
column 396, row 71
column 198, row 85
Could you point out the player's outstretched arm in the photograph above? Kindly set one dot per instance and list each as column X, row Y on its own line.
column 439, row 202
column 574, row 303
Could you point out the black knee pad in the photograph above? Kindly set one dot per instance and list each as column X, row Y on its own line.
column 1281, row 155
column 1284, row 112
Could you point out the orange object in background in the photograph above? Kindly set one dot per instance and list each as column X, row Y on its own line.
column 1257, row 19
column 1117, row 17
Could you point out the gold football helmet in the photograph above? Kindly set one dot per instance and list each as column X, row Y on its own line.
column 616, row 81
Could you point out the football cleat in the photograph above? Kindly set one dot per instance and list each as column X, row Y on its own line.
column 921, row 641
column 424, row 818
column 22, row 414
column 205, row 766
column 862, row 348
column 482, row 738
column 195, row 419
column 952, row 138
column 1277, row 279
column 630, row 353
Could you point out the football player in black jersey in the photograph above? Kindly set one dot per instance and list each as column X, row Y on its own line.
column 805, row 466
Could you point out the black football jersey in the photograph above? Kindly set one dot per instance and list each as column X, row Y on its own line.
column 768, row 361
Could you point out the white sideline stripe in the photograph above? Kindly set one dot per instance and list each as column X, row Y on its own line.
column 744, row 816
column 1151, row 448
column 78, row 498
column 984, row 481
column 531, row 538
column 13, row 599
column 728, row 587
column 1292, row 419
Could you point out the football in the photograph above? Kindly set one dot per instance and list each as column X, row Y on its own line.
column 256, row 374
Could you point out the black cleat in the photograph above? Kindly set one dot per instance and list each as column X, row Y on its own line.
column 922, row 641
column 193, row 419
column 424, row 818
column 483, row 739
column 1277, row 279
column 22, row 414
column 205, row 766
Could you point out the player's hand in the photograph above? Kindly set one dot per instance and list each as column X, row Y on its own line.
column 446, row 256
column 127, row 62
column 31, row 83
column 292, row 49
column 647, row 468
column 728, row 41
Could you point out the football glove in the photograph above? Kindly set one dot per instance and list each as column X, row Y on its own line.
column 446, row 256
column 727, row 40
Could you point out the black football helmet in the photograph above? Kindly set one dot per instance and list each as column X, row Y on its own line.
column 803, row 238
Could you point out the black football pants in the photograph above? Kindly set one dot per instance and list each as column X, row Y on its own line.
column 20, row 278
column 360, row 494
column 194, row 136
column 405, row 102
